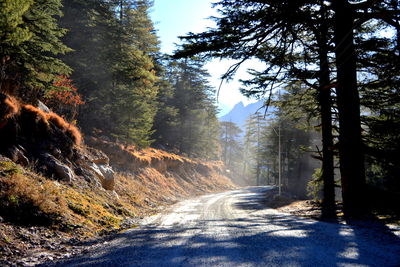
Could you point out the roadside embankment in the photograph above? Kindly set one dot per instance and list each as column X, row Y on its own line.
column 57, row 189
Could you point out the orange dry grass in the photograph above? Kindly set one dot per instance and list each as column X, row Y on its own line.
column 174, row 175
column 10, row 108
column 164, row 176
column 38, row 113
column 87, row 210
column 66, row 127
column 37, row 195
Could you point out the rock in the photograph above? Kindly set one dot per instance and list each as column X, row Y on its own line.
column 43, row 107
column 98, row 157
column 88, row 175
column 109, row 179
column 17, row 155
column 62, row 171
column 104, row 173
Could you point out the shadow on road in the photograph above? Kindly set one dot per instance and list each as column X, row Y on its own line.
column 265, row 239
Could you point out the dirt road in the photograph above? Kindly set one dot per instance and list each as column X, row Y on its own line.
column 235, row 229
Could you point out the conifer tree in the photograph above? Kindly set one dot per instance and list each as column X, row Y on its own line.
column 192, row 126
column 230, row 144
column 269, row 29
column 30, row 40
column 91, row 34
column 254, row 146
column 114, row 64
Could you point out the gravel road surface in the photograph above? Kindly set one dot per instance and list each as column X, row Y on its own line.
column 235, row 229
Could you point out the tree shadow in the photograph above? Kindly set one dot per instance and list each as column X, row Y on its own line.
column 263, row 239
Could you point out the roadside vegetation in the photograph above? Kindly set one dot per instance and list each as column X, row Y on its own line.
column 99, row 128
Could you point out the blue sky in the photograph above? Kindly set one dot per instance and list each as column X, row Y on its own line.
column 173, row 18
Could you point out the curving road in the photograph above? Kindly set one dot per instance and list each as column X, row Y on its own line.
column 234, row 229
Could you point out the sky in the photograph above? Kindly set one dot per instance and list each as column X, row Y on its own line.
column 173, row 18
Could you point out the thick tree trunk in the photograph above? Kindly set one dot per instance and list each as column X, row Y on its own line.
column 348, row 102
column 325, row 101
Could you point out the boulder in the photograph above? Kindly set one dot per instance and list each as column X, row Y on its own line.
column 104, row 173
column 61, row 171
column 109, row 180
column 98, row 156
column 43, row 107
column 17, row 155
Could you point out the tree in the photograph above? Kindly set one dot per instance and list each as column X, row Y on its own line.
column 268, row 29
column 274, row 41
column 255, row 126
column 114, row 65
column 30, row 40
column 166, row 120
column 379, row 91
column 191, row 125
column 351, row 150
column 91, row 34
column 231, row 148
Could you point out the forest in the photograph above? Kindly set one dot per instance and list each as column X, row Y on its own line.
column 332, row 74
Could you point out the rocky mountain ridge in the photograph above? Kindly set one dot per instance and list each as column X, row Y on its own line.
column 240, row 113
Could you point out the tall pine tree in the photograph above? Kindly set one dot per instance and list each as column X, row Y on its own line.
column 30, row 40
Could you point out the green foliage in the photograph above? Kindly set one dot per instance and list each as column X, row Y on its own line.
column 114, row 66
column 379, row 90
column 231, row 147
column 314, row 186
column 190, row 124
column 13, row 31
column 255, row 145
column 30, row 40
column 166, row 120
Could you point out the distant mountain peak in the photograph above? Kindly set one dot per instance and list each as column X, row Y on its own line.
column 240, row 113
column 238, row 105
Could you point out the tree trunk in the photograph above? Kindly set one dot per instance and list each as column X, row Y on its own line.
column 348, row 102
column 325, row 101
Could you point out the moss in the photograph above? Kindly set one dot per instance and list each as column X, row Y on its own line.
column 78, row 209
column 9, row 168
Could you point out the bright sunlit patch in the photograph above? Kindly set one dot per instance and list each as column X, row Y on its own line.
column 346, row 232
column 350, row 252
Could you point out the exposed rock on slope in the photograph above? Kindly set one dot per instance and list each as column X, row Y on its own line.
column 44, row 140
column 79, row 195
column 176, row 176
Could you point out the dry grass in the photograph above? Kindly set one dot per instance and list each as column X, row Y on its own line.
column 27, row 198
column 66, row 127
column 38, row 115
column 30, row 199
column 10, row 107
column 88, row 210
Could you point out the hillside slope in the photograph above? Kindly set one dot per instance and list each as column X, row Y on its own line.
column 39, row 216
column 56, row 191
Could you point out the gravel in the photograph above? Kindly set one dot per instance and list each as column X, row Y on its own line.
column 235, row 229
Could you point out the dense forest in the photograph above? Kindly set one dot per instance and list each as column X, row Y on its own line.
column 335, row 65
column 345, row 56
column 98, row 64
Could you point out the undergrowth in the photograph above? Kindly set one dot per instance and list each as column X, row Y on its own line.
column 84, row 209
column 29, row 199
column 26, row 200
